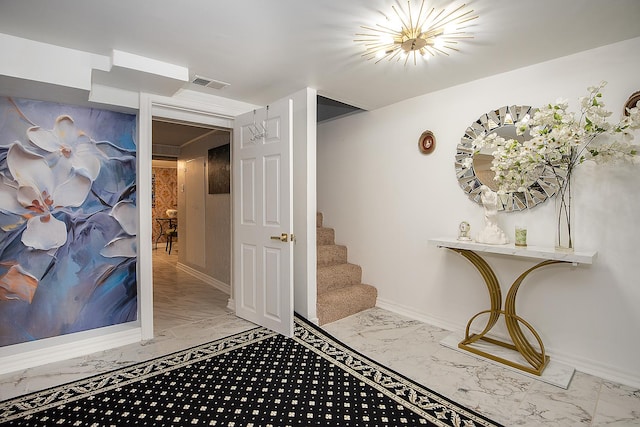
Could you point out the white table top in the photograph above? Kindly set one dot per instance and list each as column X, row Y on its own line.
column 521, row 251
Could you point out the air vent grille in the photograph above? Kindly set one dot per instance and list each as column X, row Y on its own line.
column 200, row 81
column 210, row 83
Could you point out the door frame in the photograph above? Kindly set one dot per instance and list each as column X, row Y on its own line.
column 220, row 114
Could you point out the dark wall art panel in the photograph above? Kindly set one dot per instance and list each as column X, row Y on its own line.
column 220, row 169
column 68, row 224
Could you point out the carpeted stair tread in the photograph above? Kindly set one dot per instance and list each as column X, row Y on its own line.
column 331, row 255
column 336, row 276
column 345, row 301
column 318, row 219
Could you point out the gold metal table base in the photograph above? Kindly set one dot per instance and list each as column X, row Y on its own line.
column 536, row 357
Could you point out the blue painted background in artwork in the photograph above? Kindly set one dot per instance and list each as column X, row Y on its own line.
column 68, row 221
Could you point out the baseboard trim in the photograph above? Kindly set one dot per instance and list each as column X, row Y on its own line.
column 41, row 352
column 417, row 315
column 587, row 366
column 595, row 368
column 221, row 286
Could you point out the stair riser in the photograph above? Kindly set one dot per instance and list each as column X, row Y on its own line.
column 339, row 275
column 325, row 236
column 331, row 255
column 340, row 303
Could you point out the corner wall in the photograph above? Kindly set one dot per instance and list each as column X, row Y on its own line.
column 387, row 199
column 304, row 202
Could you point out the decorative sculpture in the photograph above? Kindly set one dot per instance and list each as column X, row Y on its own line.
column 463, row 231
column 491, row 233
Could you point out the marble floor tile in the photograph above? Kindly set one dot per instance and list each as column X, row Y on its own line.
column 555, row 373
column 618, row 405
column 188, row 312
column 548, row 405
column 507, row 396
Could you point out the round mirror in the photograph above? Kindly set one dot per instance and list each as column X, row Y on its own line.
column 473, row 166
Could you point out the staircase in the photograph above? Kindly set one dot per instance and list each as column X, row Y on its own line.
column 341, row 292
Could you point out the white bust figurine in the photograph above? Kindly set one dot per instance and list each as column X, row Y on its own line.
column 491, row 233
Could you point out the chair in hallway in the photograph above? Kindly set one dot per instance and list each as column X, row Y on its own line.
column 171, row 234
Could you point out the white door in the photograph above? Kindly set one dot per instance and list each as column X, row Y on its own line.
column 262, row 215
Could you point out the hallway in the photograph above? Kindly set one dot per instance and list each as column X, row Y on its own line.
column 181, row 302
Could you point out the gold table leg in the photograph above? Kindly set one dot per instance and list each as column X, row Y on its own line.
column 536, row 357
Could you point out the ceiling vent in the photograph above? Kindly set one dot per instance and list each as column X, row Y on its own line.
column 210, row 83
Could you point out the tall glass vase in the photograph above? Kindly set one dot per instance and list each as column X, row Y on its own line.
column 564, row 217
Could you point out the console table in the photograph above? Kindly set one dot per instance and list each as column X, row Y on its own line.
column 536, row 358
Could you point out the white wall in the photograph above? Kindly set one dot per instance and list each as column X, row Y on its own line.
column 304, row 202
column 217, row 230
column 386, row 199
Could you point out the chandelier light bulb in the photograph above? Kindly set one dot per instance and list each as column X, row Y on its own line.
column 426, row 34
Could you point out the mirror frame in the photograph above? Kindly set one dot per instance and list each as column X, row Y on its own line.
column 544, row 187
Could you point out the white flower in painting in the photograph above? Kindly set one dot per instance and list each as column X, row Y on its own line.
column 125, row 213
column 70, row 144
column 42, row 191
column 9, row 202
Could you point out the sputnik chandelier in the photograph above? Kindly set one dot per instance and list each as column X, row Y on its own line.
column 412, row 37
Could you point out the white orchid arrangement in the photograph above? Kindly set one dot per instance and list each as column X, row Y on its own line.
column 561, row 140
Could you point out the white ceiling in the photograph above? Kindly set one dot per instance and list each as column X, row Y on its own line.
column 269, row 49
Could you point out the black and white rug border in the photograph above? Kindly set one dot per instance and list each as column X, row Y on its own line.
column 428, row 404
column 38, row 401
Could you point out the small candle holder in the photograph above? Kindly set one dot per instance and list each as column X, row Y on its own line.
column 521, row 235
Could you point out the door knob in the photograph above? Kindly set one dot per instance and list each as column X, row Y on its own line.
column 284, row 237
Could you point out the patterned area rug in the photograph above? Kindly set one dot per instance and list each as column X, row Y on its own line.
column 254, row 378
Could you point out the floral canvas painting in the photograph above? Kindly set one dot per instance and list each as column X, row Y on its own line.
column 68, row 225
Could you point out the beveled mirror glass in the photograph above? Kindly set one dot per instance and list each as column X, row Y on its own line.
column 473, row 174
